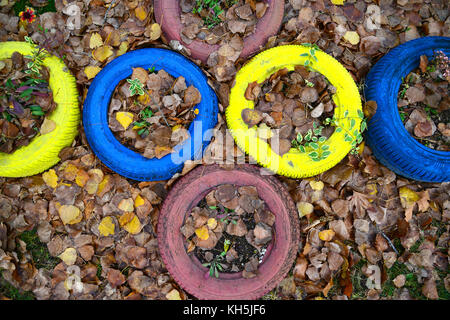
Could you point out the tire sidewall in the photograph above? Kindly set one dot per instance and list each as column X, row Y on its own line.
column 387, row 136
column 189, row 274
column 123, row 160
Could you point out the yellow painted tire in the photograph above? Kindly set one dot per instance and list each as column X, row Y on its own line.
column 293, row 163
column 42, row 152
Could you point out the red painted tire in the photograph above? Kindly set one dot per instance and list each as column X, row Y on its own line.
column 188, row 271
column 167, row 14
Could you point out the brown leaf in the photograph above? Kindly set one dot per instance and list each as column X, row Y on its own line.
column 423, row 63
column 251, row 117
column 301, row 265
column 424, row 128
column 115, row 278
column 360, row 202
column 252, row 91
column 370, row 108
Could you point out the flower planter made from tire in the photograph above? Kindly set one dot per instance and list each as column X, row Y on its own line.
column 188, row 272
column 114, row 154
column 293, row 163
column 167, row 14
column 42, row 152
column 387, row 137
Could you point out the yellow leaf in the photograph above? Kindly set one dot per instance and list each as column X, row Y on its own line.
column 122, row 48
column 95, row 41
column 304, row 208
column 134, row 226
column 69, row 256
column 326, row 235
column 202, row 233
column 124, row 118
column 139, row 201
column 173, row 295
column 316, row 185
column 106, row 226
column 70, row 172
column 102, row 185
column 408, row 197
column 338, row 2
column 162, row 151
column 126, row 218
column 212, row 223
column 126, row 205
column 140, row 13
column 102, row 53
column 70, row 214
column 155, row 31
column 50, row 178
column 82, row 178
column 352, row 37
column 47, row 126
column 95, row 177
column 91, row 71
column 372, row 190
column 145, row 98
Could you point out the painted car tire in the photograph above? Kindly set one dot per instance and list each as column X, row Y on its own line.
column 116, row 156
column 189, row 273
column 293, row 163
column 387, row 137
column 42, row 152
column 167, row 14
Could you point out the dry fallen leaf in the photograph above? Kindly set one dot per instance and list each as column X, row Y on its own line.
column 50, row 178
column 139, row 201
column 155, row 31
column 326, row 235
column 122, row 48
column 125, row 119
column 304, row 208
column 423, row 63
column 69, row 256
column 212, row 223
column 141, row 13
column 202, row 233
column 134, row 226
column 70, row 214
column 316, row 185
column 126, row 205
column 352, row 37
column 106, row 226
column 47, row 126
column 95, row 41
column 407, row 197
column 173, row 295
column 91, row 71
column 102, row 53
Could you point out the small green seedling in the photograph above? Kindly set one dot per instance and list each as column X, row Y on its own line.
column 215, row 266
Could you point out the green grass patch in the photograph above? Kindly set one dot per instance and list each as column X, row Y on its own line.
column 11, row 292
column 39, row 251
column 413, row 286
column 21, row 4
column 359, row 280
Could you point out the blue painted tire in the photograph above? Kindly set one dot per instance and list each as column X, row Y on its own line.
column 387, row 137
column 129, row 163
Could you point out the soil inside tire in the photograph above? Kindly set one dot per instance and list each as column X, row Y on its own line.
column 237, row 247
